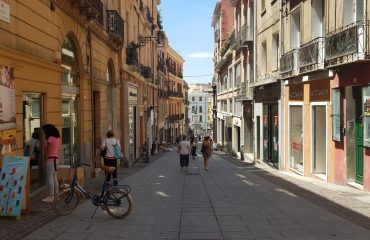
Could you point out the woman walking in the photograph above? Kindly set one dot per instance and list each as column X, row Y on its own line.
column 193, row 144
column 51, row 160
column 110, row 159
column 206, row 150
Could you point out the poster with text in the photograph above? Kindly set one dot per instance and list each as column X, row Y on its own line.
column 7, row 98
column 13, row 176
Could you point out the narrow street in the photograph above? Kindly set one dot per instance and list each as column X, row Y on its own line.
column 231, row 200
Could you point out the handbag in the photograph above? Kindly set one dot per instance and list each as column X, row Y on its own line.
column 103, row 152
column 117, row 151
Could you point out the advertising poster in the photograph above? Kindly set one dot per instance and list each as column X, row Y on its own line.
column 13, row 176
column 7, row 98
column 7, row 142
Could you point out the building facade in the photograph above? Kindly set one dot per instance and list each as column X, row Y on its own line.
column 198, row 113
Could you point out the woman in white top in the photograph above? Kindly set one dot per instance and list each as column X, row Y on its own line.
column 109, row 158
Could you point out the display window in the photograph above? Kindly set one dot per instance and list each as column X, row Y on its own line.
column 296, row 137
column 336, row 115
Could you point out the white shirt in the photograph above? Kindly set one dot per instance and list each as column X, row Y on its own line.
column 184, row 147
column 109, row 144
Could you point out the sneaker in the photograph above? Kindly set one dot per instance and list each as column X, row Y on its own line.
column 48, row 199
column 206, row 168
column 115, row 182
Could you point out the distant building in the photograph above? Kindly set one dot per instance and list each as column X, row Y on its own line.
column 197, row 113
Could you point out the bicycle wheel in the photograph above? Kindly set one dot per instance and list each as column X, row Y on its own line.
column 117, row 203
column 65, row 202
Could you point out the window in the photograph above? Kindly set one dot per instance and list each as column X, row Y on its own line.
column 193, row 99
column 200, row 99
column 263, row 6
column 336, row 116
column 295, row 29
column 275, row 51
column 263, row 59
column 192, row 109
column 317, row 19
column 296, row 137
column 237, row 75
column 200, row 118
column 200, row 109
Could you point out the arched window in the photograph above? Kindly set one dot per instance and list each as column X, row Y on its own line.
column 70, row 73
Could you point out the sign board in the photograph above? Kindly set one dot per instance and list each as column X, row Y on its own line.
column 7, row 98
column 13, row 176
column 4, row 12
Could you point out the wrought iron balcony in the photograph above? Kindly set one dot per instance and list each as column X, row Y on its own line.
column 175, row 94
column 347, row 44
column 176, row 117
column 145, row 71
column 312, row 55
column 243, row 37
column 132, row 56
column 289, row 64
column 115, row 26
column 161, row 65
column 97, row 5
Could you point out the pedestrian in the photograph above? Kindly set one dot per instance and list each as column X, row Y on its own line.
column 51, row 161
column 184, row 149
column 206, row 150
column 110, row 158
column 193, row 144
column 154, row 149
column 32, row 149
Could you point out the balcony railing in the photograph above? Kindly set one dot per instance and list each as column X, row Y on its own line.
column 175, row 94
column 98, row 7
column 132, row 56
column 145, row 71
column 176, row 117
column 289, row 64
column 347, row 44
column 312, row 55
column 161, row 65
column 243, row 36
column 115, row 25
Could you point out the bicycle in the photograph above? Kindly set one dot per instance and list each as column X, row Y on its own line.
column 114, row 199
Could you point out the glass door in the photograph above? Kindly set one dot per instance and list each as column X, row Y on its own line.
column 32, row 137
column 70, row 131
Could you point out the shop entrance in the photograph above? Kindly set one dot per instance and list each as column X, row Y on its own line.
column 319, row 140
column 359, row 139
column 32, row 136
column 271, row 134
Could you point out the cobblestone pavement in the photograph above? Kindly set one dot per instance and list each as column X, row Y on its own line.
column 41, row 213
column 232, row 200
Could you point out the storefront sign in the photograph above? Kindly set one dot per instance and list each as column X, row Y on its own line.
column 296, row 92
column 13, row 176
column 132, row 95
column 319, row 91
column 4, row 12
column 7, row 98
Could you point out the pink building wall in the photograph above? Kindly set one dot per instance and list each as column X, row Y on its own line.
column 227, row 19
column 350, row 75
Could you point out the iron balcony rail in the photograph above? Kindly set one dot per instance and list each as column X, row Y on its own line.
column 289, row 63
column 98, row 7
column 347, row 44
column 243, row 36
column 115, row 25
column 228, row 44
column 145, row 71
column 132, row 56
column 312, row 55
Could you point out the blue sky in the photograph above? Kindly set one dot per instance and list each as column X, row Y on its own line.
column 187, row 24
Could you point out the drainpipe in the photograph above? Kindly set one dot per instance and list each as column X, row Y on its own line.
column 254, row 63
column 282, row 95
column 88, row 39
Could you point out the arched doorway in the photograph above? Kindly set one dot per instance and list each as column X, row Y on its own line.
column 70, row 104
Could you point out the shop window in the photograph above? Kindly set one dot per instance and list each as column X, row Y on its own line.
column 336, row 115
column 366, row 115
column 296, row 138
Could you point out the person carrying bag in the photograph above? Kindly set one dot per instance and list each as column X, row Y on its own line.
column 111, row 152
